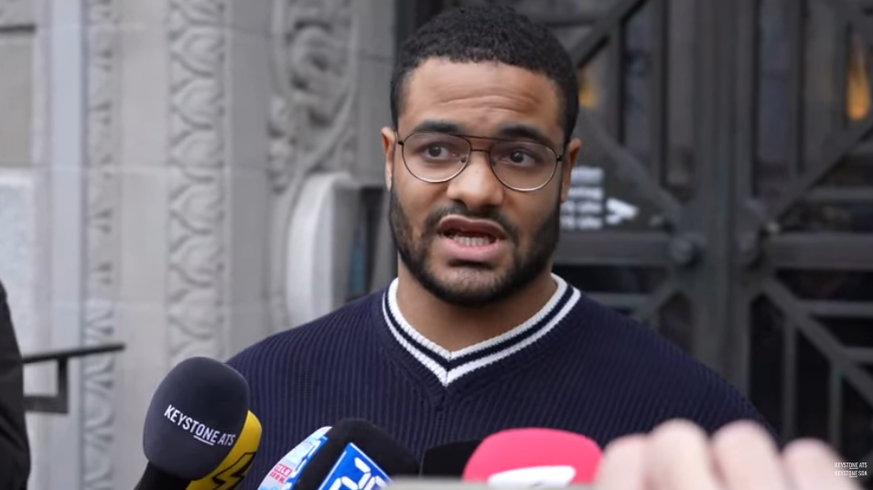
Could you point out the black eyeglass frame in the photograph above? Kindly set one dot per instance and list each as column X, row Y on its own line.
column 559, row 159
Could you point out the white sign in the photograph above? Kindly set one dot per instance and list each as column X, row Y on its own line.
column 588, row 208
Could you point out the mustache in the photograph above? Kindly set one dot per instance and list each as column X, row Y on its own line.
column 459, row 209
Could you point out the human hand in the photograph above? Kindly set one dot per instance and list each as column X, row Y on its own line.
column 679, row 455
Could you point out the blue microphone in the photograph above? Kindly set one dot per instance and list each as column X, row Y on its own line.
column 352, row 455
column 285, row 472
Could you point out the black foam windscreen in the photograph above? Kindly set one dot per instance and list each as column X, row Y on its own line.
column 156, row 479
column 448, row 460
column 195, row 416
column 389, row 454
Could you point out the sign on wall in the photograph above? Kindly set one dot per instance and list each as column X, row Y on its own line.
column 596, row 202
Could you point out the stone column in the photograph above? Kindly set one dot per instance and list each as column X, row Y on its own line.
column 42, row 211
column 224, row 106
column 176, row 167
column 151, row 153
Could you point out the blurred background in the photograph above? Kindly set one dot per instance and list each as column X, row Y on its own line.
column 187, row 177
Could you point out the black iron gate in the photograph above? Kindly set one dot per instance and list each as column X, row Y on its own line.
column 725, row 196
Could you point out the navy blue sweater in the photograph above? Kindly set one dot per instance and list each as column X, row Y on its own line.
column 576, row 365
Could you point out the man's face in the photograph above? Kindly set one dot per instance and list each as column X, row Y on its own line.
column 472, row 241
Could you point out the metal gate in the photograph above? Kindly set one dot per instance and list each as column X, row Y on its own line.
column 725, row 195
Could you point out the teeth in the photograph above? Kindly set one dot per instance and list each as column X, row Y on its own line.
column 473, row 241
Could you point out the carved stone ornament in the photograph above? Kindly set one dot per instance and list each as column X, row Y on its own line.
column 102, row 242
column 197, row 266
column 315, row 67
column 311, row 123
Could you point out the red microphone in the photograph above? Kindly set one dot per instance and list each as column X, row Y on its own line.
column 534, row 457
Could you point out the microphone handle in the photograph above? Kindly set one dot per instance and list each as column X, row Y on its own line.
column 155, row 479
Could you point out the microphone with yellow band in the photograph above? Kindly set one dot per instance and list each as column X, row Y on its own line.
column 236, row 465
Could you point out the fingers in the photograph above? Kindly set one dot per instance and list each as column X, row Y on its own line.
column 623, row 465
column 678, row 457
column 675, row 456
column 810, row 465
column 746, row 458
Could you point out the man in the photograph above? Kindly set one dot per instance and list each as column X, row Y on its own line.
column 476, row 335
column 14, row 447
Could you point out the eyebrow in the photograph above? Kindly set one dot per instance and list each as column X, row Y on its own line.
column 507, row 131
column 438, row 126
column 523, row 131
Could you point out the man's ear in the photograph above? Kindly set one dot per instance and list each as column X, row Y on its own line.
column 388, row 147
column 571, row 153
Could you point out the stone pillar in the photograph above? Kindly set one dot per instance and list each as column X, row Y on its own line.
column 151, row 153
column 177, row 190
column 41, row 209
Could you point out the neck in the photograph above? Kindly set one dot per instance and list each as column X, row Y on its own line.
column 452, row 327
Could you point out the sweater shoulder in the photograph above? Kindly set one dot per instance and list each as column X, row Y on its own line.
column 307, row 343
column 643, row 348
column 669, row 374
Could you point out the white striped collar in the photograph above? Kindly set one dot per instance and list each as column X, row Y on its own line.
column 449, row 366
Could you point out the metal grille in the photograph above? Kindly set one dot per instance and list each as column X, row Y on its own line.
column 738, row 132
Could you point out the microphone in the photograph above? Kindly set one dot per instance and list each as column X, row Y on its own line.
column 289, row 467
column 534, row 457
column 195, row 416
column 448, row 460
column 236, row 465
column 352, row 455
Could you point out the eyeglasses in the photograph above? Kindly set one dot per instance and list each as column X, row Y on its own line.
column 523, row 166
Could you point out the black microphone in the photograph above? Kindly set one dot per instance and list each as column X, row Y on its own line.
column 353, row 450
column 448, row 460
column 192, row 423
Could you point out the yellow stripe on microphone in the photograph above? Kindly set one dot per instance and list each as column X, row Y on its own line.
column 236, row 465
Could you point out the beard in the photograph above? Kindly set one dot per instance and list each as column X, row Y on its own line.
column 525, row 265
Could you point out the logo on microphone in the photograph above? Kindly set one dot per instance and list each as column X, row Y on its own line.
column 355, row 471
column 204, row 434
column 284, row 474
column 553, row 476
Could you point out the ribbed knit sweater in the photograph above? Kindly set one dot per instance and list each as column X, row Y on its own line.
column 575, row 365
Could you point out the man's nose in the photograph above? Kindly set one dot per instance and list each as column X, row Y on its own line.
column 477, row 186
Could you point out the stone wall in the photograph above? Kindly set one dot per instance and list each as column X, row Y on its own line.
column 151, row 153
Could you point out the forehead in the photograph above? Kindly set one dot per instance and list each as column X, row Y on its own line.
column 480, row 98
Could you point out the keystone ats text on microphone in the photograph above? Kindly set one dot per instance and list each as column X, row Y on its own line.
column 199, row 430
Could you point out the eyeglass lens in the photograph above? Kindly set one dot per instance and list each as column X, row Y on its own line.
column 437, row 157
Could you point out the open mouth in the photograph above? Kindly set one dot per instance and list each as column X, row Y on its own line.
column 469, row 233
column 469, row 240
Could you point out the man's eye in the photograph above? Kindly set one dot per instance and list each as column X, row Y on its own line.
column 518, row 156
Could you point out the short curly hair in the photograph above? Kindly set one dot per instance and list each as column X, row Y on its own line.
column 489, row 33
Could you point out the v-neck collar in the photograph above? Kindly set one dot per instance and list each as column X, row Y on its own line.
column 442, row 369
